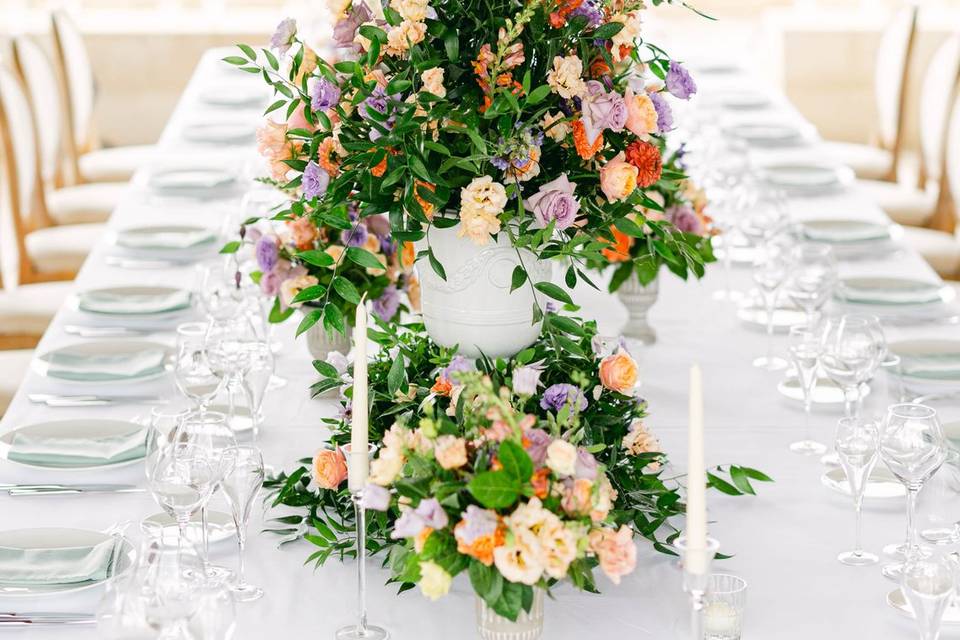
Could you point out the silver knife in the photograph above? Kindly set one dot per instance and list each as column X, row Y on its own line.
column 54, row 400
column 138, row 263
column 80, row 618
column 72, row 489
column 103, row 332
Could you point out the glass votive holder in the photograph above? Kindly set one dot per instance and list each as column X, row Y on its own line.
column 725, row 601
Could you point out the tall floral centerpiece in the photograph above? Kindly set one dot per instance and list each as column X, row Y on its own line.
column 501, row 136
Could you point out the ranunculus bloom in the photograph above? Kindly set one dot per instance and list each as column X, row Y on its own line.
column 641, row 114
column 450, row 451
column 615, row 550
column 303, row 232
column 646, row 158
column 328, row 469
column 562, row 458
column 618, row 178
column 434, row 581
column 555, row 202
column 602, row 109
column 620, row 249
column 618, row 372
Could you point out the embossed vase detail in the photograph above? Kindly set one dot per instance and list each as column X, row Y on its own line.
column 473, row 307
column 528, row 626
column 320, row 343
column 638, row 299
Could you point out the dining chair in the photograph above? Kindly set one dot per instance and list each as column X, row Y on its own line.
column 42, row 254
column 91, row 202
column 927, row 204
column 881, row 160
column 86, row 160
column 942, row 248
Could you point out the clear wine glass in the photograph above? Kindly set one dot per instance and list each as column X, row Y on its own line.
column 193, row 373
column 849, row 357
column 913, row 447
column 769, row 274
column 241, row 485
column 169, row 579
column 857, row 443
column 231, row 345
column 812, row 276
column 257, row 380
column 219, row 288
column 805, row 348
column 210, row 433
column 181, row 483
column 163, row 424
column 928, row 585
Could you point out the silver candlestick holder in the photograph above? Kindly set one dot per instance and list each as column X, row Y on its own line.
column 361, row 630
column 696, row 563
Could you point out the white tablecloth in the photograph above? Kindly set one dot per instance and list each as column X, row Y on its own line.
column 784, row 541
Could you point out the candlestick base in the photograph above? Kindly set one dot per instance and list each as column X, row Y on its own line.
column 696, row 560
column 354, row 632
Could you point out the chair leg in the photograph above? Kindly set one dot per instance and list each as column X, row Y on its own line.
column 18, row 341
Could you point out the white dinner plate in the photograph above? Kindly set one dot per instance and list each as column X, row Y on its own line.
column 784, row 316
column 165, row 237
column 233, row 96
column 154, row 301
column 891, row 291
column 220, row 526
column 218, row 132
column 197, row 181
column 78, row 428
column 898, row 601
column 807, row 178
column 61, row 538
column 104, row 348
column 742, row 100
column 767, row 134
column 941, row 357
column 845, row 231
column 880, row 484
column 825, row 392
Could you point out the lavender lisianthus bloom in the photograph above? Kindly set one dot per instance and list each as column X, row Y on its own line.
column 537, row 441
column 346, row 29
column 270, row 283
column 432, row 513
column 684, row 219
column 375, row 497
column 586, row 465
column 356, row 236
column 555, row 202
column 377, row 100
column 602, row 109
column 387, row 246
column 526, row 379
column 557, row 396
column 378, row 223
column 551, row 307
column 314, row 180
column 387, row 304
column 408, row 525
column 664, row 111
column 679, row 82
column 458, row 364
column 267, row 252
column 589, row 10
column 324, row 95
column 282, row 37
column 477, row 523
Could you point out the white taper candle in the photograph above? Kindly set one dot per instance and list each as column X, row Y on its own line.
column 358, row 464
column 696, row 532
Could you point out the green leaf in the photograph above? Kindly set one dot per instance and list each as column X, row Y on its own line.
column 371, row 32
column 515, row 461
column 494, row 489
column 510, row 601
column 451, row 43
column 316, row 257
column 753, row 474
column 537, row 95
column 518, row 278
column 346, row 290
column 309, row 320
column 397, row 377
column 741, row 480
column 231, row 247
column 722, row 485
column 310, row 293
column 363, row 258
column 629, row 227
column 326, row 369
column 333, row 318
column 435, row 264
column 567, row 325
column 248, row 51
column 235, row 60
column 607, row 31
column 555, row 292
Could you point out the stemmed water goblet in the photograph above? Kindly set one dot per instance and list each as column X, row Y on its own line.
column 928, row 585
column 856, row 445
column 219, row 289
column 805, row 348
column 812, row 276
column 849, row 357
column 193, row 373
column 163, row 423
column 913, row 447
column 257, row 379
column 769, row 274
column 231, row 344
column 241, row 484
column 211, row 435
column 182, row 482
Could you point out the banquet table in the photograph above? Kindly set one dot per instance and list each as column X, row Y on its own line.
column 784, row 541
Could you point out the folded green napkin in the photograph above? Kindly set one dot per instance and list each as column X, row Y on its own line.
column 801, row 176
column 117, row 302
column 92, row 368
column 945, row 366
column 844, row 231
column 164, row 238
column 888, row 291
column 77, row 452
column 59, row 566
column 190, row 180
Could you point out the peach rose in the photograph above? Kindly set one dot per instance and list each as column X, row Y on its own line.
column 298, row 120
column 451, row 452
column 290, row 287
column 303, row 232
column 328, row 469
column 615, row 550
column 618, row 372
column 618, row 178
column 641, row 114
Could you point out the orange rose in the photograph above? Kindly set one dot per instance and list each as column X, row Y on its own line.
column 618, row 372
column 329, row 468
column 620, row 249
column 618, row 178
column 442, row 386
column 584, row 149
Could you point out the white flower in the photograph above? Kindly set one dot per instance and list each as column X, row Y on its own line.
column 518, row 562
column 413, row 10
column 481, row 202
column 557, row 132
column 526, row 380
column 562, row 457
column 434, row 580
column 386, row 467
column 565, row 77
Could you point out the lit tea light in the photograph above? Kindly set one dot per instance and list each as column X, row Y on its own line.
column 721, row 620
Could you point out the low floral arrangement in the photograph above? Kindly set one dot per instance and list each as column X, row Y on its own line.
column 682, row 206
column 539, row 122
column 521, row 471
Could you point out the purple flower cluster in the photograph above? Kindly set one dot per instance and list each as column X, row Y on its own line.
column 428, row 513
column 267, row 252
column 386, row 306
column 560, row 395
column 314, row 180
column 679, row 82
column 664, row 112
column 324, row 95
column 590, row 10
column 282, row 37
column 684, row 219
column 458, row 364
column 346, row 29
column 517, row 152
column 357, row 235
